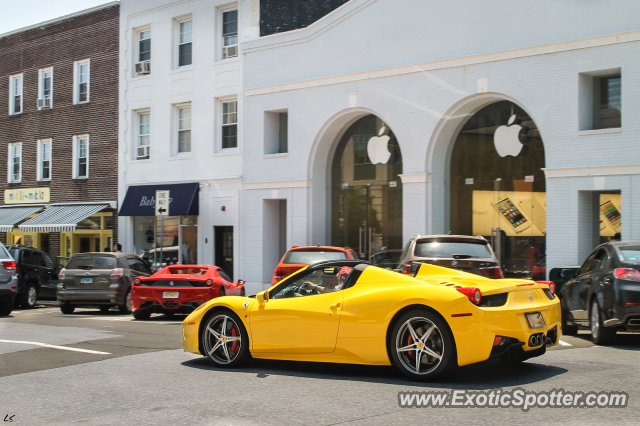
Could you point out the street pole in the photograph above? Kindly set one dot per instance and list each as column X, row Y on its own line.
column 161, row 239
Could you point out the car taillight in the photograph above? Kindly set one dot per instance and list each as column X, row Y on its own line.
column 61, row 274
column 116, row 273
column 492, row 272
column 627, row 274
column 277, row 274
column 406, row 268
column 10, row 266
column 551, row 284
column 472, row 294
column 136, row 281
column 209, row 283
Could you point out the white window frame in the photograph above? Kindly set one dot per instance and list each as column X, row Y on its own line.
column 221, row 114
column 41, row 77
column 179, row 107
column 138, row 40
column 76, row 158
column 76, row 81
column 222, row 37
column 10, row 163
column 178, row 43
column 41, row 159
column 140, row 135
column 13, row 94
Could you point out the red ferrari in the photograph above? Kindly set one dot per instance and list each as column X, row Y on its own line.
column 180, row 289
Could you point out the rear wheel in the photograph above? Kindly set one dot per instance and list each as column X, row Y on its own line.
column 422, row 346
column 6, row 306
column 242, row 293
column 142, row 315
column 600, row 335
column 125, row 308
column 27, row 300
column 104, row 309
column 225, row 340
column 66, row 308
column 222, row 292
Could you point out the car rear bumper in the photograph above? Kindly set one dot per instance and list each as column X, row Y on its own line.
column 153, row 300
column 111, row 296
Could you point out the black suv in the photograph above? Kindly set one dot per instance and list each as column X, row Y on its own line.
column 37, row 275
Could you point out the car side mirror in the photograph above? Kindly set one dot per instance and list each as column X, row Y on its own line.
column 241, row 282
column 567, row 273
column 263, row 297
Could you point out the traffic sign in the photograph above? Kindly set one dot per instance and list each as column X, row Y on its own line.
column 162, row 203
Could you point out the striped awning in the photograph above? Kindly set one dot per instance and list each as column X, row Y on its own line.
column 9, row 216
column 63, row 218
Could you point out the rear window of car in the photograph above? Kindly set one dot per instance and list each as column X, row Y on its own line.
column 303, row 257
column 448, row 247
column 630, row 254
column 3, row 252
column 92, row 262
column 14, row 253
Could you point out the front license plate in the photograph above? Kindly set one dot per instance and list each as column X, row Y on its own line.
column 535, row 320
column 86, row 280
column 170, row 295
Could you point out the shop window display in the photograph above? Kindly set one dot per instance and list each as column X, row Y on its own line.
column 177, row 241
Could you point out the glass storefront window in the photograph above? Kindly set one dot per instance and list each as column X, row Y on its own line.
column 497, row 187
column 366, row 192
column 92, row 222
column 165, row 247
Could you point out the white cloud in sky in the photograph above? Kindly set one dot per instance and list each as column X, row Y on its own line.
column 16, row 14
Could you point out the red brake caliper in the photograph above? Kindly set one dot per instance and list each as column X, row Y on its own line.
column 412, row 354
column 235, row 346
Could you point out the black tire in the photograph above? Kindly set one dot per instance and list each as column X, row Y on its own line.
column 6, row 307
column 142, row 315
column 221, row 351
column 600, row 335
column 222, row 292
column 242, row 292
column 28, row 299
column 66, row 308
column 104, row 309
column 567, row 330
column 125, row 308
column 169, row 314
column 439, row 342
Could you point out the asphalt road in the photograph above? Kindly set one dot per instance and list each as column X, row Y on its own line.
column 112, row 370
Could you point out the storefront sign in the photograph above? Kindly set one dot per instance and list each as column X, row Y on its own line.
column 141, row 200
column 27, row 195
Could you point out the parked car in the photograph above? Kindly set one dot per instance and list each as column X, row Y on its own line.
column 298, row 257
column 604, row 294
column 181, row 289
column 99, row 279
column 8, row 281
column 461, row 252
column 37, row 275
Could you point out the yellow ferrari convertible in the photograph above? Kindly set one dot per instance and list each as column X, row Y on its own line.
column 348, row 311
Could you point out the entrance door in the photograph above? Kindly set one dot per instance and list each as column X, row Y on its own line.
column 224, row 248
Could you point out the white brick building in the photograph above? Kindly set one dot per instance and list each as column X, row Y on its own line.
column 425, row 68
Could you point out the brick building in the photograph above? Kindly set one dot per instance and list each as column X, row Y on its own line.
column 59, row 132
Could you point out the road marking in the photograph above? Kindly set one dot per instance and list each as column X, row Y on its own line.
column 64, row 348
column 563, row 343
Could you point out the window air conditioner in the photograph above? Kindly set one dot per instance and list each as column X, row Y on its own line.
column 44, row 103
column 143, row 67
column 143, row 152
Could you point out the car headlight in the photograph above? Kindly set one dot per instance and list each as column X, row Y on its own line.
column 535, row 320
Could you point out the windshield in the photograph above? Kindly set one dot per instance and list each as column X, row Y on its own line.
column 448, row 247
column 630, row 254
column 300, row 257
column 92, row 262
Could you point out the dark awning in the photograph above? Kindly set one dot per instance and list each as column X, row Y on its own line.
column 141, row 200
column 9, row 216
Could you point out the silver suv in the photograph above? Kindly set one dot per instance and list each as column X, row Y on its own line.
column 461, row 252
column 8, row 281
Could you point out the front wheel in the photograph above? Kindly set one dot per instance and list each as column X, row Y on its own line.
column 225, row 340
column 29, row 297
column 600, row 335
column 422, row 346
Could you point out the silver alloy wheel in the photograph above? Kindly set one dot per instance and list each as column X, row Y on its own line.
column 32, row 295
column 419, row 345
column 220, row 339
column 595, row 319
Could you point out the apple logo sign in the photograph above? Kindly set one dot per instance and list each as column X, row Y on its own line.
column 377, row 147
column 507, row 140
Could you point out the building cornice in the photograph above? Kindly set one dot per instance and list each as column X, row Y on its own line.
column 62, row 18
column 278, row 184
column 522, row 52
column 586, row 171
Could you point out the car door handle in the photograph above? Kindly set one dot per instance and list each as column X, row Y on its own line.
column 335, row 306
